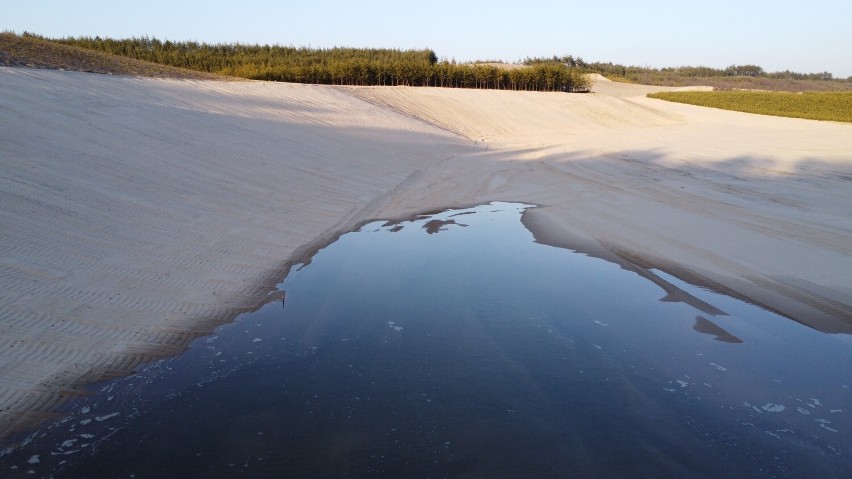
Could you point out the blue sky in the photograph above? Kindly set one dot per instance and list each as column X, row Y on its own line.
column 812, row 36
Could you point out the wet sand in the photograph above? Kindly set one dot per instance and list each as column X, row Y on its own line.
column 140, row 213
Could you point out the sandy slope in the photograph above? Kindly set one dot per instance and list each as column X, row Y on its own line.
column 753, row 206
column 138, row 213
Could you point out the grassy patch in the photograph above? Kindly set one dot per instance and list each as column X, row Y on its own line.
column 834, row 106
column 736, row 83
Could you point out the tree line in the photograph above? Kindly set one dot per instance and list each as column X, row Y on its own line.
column 646, row 74
column 338, row 66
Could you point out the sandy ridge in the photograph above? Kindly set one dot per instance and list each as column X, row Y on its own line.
column 140, row 213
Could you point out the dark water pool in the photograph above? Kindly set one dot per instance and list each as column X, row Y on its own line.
column 453, row 345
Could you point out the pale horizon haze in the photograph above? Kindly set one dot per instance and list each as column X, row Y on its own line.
column 806, row 37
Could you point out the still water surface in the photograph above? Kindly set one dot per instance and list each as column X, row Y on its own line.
column 453, row 345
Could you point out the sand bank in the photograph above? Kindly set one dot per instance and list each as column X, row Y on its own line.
column 140, row 213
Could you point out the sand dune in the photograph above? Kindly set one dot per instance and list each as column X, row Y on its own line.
column 139, row 213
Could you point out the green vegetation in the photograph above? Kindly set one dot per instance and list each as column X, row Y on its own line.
column 362, row 66
column 35, row 52
column 834, row 106
column 751, row 77
column 336, row 66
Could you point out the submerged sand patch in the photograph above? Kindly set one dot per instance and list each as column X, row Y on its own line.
column 139, row 213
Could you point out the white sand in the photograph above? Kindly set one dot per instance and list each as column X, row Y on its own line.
column 139, row 213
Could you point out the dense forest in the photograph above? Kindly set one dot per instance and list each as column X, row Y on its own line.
column 367, row 67
column 338, row 66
